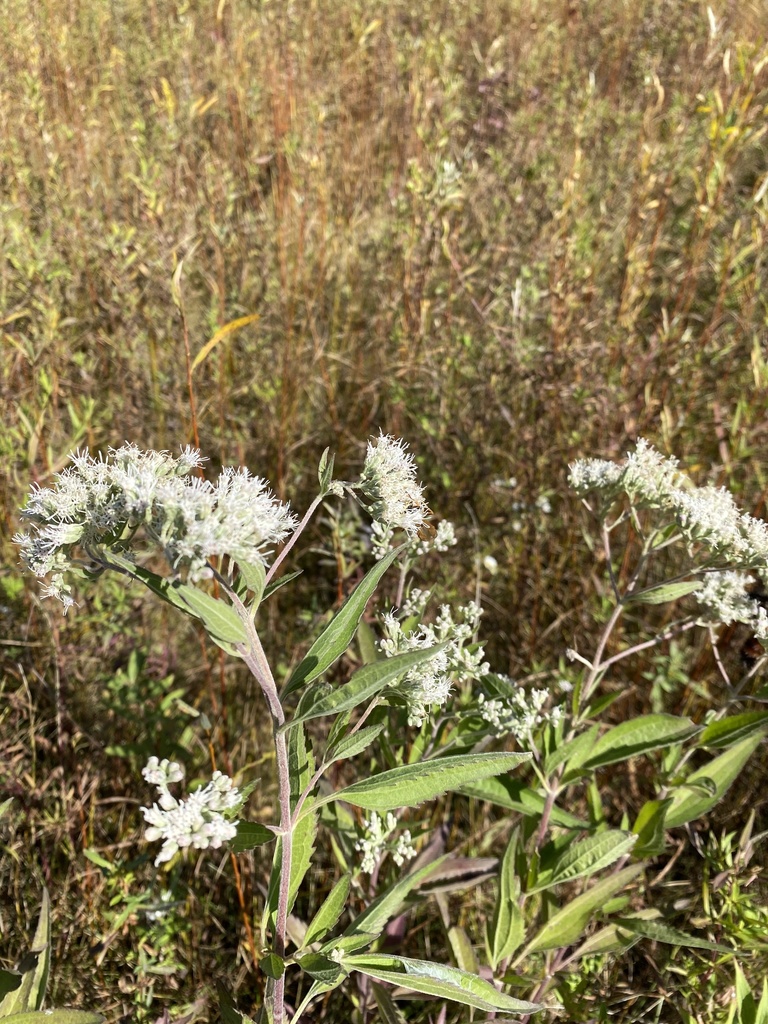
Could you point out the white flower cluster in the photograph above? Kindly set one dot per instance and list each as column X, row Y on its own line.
column 724, row 598
column 519, row 713
column 430, row 684
column 197, row 821
column 704, row 515
column 389, row 487
column 99, row 502
column 374, row 843
column 415, row 603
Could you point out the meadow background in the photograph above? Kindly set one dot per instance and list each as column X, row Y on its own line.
column 514, row 232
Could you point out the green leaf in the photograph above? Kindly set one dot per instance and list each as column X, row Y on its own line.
column 325, row 470
column 576, row 749
column 387, row 1009
column 659, row 931
column 649, row 828
column 101, row 862
column 638, row 736
column 338, row 634
column 727, row 731
column 303, row 847
column 351, row 746
column 34, row 968
column 321, row 968
column 586, row 857
column 251, row 834
column 666, row 592
column 301, row 760
column 720, row 772
column 566, row 925
column 270, row 588
column 219, row 618
column 364, row 684
column 508, row 925
column 369, row 652
column 413, row 784
column 436, row 980
column 55, row 1017
column 329, row 913
column 253, row 575
column 463, row 952
column 272, row 965
column 514, row 795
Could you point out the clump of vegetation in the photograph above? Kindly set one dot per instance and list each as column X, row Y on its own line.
column 515, row 236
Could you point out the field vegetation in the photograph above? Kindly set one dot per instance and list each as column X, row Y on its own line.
column 515, row 233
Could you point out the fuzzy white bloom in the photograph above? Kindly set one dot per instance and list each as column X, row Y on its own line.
column 723, row 597
column 519, row 713
column 414, row 603
column 389, row 487
column 704, row 515
column 594, row 475
column 430, row 683
column 97, row 502
column 197, row 821
column 374, row 843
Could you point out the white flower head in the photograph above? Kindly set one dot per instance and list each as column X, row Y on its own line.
column 723, row 597
column 198, row 821
column 373, row 844
column 518, row 712
column 389, row 487
column 98, row 502
column 430, row 683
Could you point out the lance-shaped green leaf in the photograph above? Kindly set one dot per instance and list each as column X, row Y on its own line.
column 251, row 834
column 34, row 969
column 638, row 736
column 688, row 804
column 727, row 731
column 660, row 931
column 365, row 684
column 566, row 925
column 351, row 746
column 221, row 621
column 664, row 593
column 413, row 784
column 576, row 749
column 514, row 795
column 329, row 913
column 436, row 980
column 275, row 585
column 337, row 635
column 507, row 928
column 56, row 1017
column 219, row 618
column 586, row 857
column 462, row 950
column 303, row 847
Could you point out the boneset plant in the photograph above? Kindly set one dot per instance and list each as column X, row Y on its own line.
column 123, row 512
column 421, row 713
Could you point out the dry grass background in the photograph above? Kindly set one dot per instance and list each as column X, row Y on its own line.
column 512, row 231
